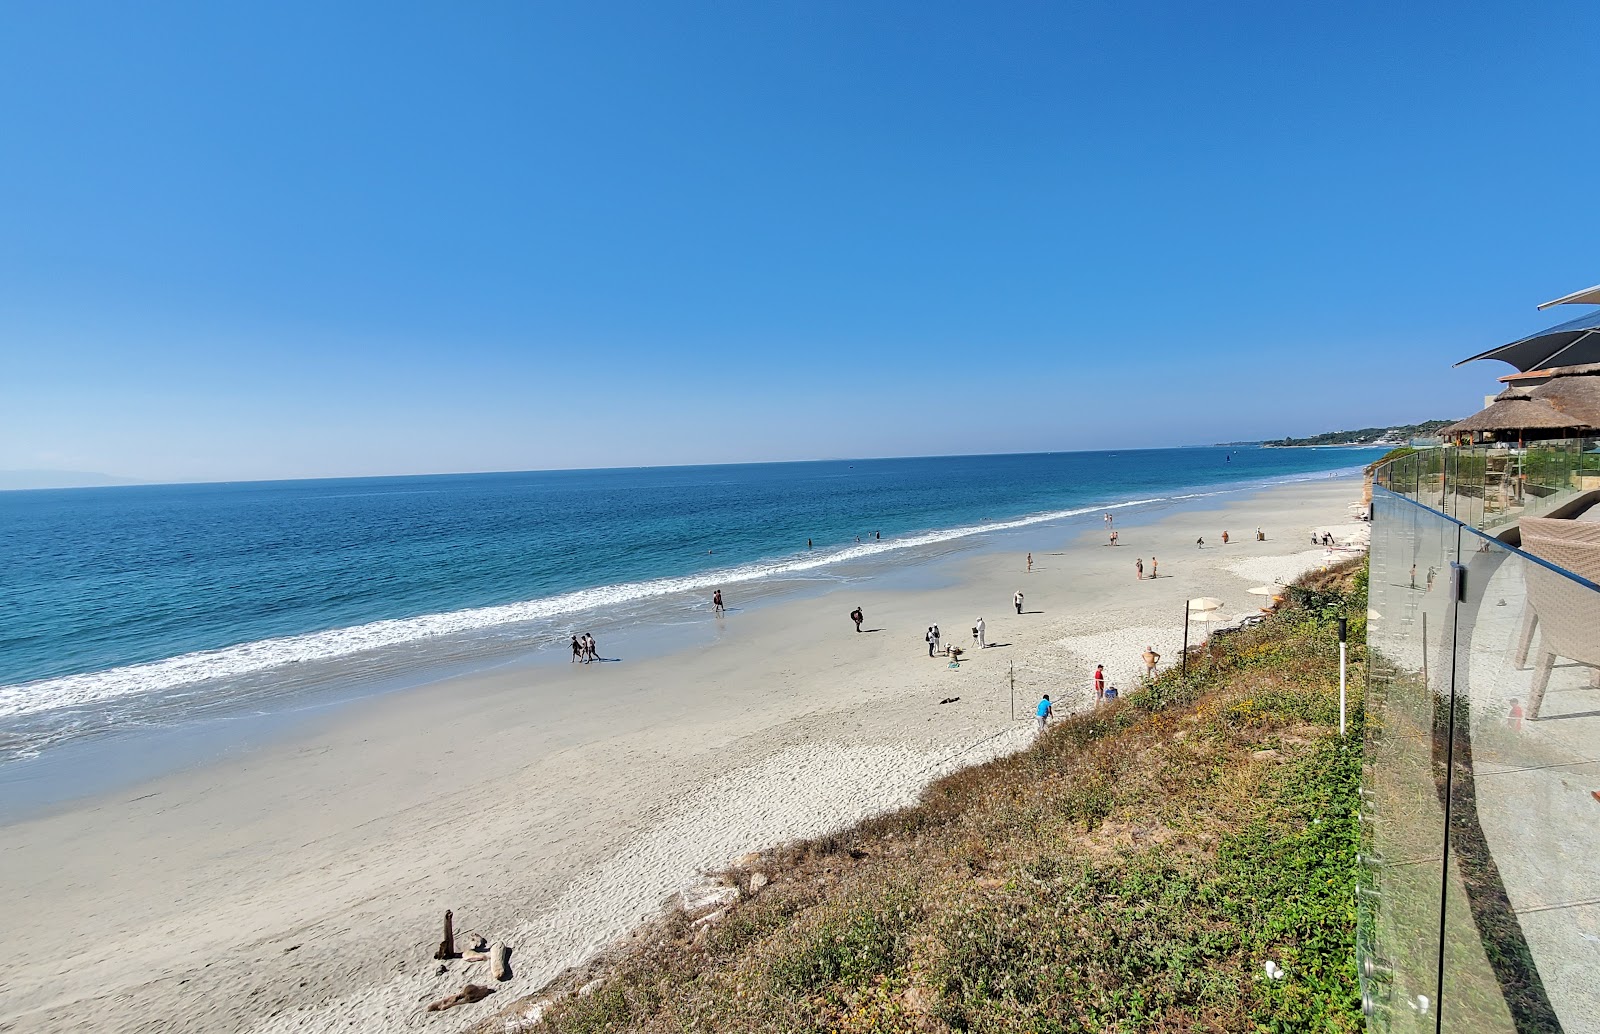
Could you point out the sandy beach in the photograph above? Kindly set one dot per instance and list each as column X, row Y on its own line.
column 300, row 887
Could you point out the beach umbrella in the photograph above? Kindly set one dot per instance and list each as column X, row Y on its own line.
column 1196, row 610
column 1265, row 590
column 1591, row 296
column 1567, row 344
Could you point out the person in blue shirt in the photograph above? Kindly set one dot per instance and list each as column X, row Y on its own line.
column 1045, row 712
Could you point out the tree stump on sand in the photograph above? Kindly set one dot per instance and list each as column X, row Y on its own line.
column 470, row 993
column 447, row 947
column 499, row 961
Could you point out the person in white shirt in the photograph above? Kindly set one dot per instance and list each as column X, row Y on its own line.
column 1017, row 599
column 977, row 633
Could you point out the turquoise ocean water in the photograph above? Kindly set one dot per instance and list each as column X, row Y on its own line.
column 135, row 606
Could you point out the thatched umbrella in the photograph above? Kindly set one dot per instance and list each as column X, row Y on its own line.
column 1565, row 399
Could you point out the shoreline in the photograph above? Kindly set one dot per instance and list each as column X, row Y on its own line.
column 59, row 773
column 553, row 814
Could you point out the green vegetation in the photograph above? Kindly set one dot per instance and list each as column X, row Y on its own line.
column 1132, row 870
column 1367, row 435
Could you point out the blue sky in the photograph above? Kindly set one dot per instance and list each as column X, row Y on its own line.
column 244, row 241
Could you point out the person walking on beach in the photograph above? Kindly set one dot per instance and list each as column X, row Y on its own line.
column 1201, row 542
column 978, row 631
column 1151, row 658
column 1138, row 568
column 1099, row 682
column 1108, row 520
column 1261, row 536
column 1113, row 538
column 594, row 647
column 1030, row 563
column 1017, row 599
column 1045, row 712
column 1224, row 536
column 577, row 650
column 857, row 617
column 716, row 604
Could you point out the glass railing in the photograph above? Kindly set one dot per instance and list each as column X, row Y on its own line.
column 1492, row 486
column 1480, row 855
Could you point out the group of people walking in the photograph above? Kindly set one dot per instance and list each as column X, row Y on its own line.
column 583, row 648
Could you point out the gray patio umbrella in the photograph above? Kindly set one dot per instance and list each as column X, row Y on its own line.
column 1568, row 344
column 1591, row 296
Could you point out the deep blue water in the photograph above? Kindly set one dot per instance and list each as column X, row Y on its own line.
column 115, row 594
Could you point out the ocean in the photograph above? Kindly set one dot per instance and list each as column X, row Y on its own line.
column 139, row 606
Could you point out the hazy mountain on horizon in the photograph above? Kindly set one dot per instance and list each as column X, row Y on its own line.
column 14, row 480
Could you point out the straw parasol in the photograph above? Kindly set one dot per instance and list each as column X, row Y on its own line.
column 1203, row 604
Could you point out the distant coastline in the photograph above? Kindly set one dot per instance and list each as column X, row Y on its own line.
column 1362, row 438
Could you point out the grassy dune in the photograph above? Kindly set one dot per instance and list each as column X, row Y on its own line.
column 1133, row 870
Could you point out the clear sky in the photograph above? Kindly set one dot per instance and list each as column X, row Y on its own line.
column 279, row 240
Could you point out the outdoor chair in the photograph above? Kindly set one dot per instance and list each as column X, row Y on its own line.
column 1564, row 613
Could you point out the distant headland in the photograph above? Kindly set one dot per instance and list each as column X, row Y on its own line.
column 1399, row 434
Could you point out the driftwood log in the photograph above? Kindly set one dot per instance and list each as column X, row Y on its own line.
column 447, row 947
column 470, row 993
column 499, row 961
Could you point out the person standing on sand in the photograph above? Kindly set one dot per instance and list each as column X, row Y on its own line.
column 857, row 617
column 936, row 637
column 1261, row 536
column 1030, row 563
column 1017, row 599
column 1152, row 568
column 933, row 639
column 716, row 604
column 1224, row 536
column 1201, row 542
column 1138, row 568
column 1045, row 712
column 1099, row 682
column 1151, row 658
column 978, row 631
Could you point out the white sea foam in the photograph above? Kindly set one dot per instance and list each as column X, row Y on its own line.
column 174, row 673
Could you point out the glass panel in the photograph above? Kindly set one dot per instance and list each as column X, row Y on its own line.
column 1480, row 831
column 1409, row 647
column 1522, row 936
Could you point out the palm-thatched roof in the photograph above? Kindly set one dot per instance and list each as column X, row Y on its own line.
column 1566, row 398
